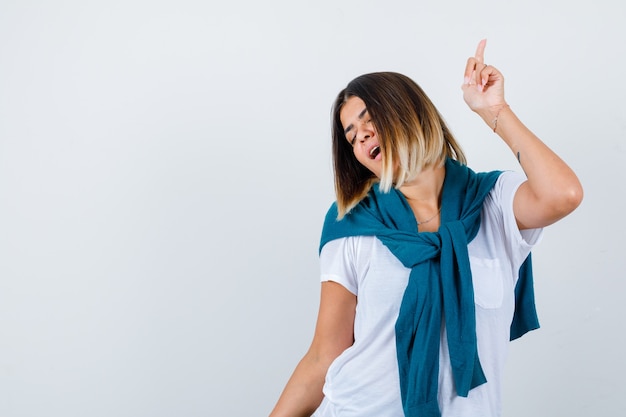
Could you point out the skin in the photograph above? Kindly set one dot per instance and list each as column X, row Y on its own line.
column 551, row 191
column 422, row 193
column 361, row 133
column 334, row 333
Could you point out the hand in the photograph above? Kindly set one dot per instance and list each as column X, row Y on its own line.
column 483, row 86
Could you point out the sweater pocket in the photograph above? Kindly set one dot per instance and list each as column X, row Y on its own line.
column 487, row 276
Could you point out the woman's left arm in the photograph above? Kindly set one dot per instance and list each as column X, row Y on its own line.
column 552, row 189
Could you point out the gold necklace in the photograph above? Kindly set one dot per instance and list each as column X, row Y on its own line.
column 432, row 218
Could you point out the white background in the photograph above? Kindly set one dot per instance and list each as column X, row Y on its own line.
column 165, row 169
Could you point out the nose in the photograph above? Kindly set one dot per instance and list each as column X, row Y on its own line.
column 365, row 132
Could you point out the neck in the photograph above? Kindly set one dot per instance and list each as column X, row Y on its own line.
column 424, row 196
column 425, row 190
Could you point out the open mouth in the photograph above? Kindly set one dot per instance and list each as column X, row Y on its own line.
column 374, row 152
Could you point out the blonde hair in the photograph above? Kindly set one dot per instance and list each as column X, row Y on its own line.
column 412, row 135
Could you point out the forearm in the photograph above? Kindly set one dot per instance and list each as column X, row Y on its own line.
column 334, row 333
column 303, row 392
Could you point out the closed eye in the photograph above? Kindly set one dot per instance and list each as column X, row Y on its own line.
column 353, row 140
column 351, row 126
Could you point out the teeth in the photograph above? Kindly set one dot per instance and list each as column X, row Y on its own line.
column 375, row 150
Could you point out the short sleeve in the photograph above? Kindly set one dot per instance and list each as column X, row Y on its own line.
column 337, row 263
column 520, row 242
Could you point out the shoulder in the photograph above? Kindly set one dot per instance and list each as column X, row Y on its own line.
column 350, row 249
column 345, row 259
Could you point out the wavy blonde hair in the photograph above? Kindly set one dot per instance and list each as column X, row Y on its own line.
column 412, row 135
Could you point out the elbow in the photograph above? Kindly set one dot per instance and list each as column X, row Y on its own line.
column 575, row 196
column 569, row 198
column 551, row 204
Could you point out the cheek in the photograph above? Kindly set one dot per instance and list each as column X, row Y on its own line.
column 358, row 154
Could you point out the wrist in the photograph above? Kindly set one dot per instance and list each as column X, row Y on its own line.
column 491, row 114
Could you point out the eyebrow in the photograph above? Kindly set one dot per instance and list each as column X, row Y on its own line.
column 350, row 126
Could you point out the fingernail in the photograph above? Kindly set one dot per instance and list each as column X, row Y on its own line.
column 466, row 80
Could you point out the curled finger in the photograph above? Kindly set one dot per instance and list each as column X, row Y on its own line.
column 470, row 70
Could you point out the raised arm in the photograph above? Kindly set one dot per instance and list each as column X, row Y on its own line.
column 334, row 333
column 552, row 189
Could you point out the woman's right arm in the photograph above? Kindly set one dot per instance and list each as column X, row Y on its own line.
column 334, row 333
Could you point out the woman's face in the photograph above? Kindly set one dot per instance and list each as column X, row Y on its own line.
column 361, row 134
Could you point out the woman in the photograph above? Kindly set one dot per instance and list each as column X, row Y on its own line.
column 425, row 264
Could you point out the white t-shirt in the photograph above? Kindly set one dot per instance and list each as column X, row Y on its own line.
column 363, row 381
